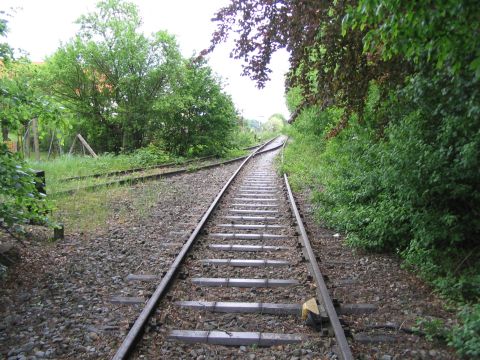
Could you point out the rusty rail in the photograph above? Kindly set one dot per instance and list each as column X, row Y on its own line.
column 326, row 301
column 135, row 180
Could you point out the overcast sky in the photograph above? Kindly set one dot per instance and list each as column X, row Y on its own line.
column 38, row 27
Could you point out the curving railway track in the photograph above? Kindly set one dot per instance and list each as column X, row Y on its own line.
column 239, row 281
column 133, row 176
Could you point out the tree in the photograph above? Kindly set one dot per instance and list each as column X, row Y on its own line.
column 328, row 66
column 21, row 97
column 196, row 116
column 24, row 100
column 5, row 49
column 110, row 74
column 275, row 123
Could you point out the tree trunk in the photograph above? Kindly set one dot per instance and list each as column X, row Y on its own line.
column 27, row 142
column 36, row 144
column 124, row 140
column 4, row 131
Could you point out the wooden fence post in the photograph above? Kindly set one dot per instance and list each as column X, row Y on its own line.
column 84, row 142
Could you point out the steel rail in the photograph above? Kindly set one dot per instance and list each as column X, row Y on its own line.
column 342, row 342
column 159, row 166
column 129, row 171
column 138, row 179
column 134, row 334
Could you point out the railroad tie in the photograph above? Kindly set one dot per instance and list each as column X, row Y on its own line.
column 234, row 338
column 246, row 193
column 272, row 205
column 143, row 277
column 244, row 283
column 243, row 307
column 252, row 248
column 246, row 262
column 253, row 211
column 249, row 218
column 240, row 236
column 261, row 188
column 256, row 199
column 252, row 226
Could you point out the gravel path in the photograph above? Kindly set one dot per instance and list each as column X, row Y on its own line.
column 55, row 302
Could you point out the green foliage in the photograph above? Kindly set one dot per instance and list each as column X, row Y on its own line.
column 20, row 201
column 23, row 99
column 303, row 150
column 111, row 74
column 434, row 329
column 252, row 124
column 196, row 118
column 388, row 128
column 128, row 90
column 66, row 166
column 5, row 49
column 464, row 337
column 149, row 155
column 404, row 178
column 294, row 98
column 417, row 31
column 372, row 191
column 275, row 123
column 242, row 138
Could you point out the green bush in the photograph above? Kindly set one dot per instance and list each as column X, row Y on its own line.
column 404, row 178
column 465, row 337
column 149, row 155
column 410, row 186
column 20, row 201
column 242, row 138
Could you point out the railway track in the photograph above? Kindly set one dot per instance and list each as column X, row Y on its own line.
column 239, row 282
column 137, row 175
column 153, row 167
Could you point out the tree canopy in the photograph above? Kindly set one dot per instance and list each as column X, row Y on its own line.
column 110, row 74
column 118, row 82
column 197, row 116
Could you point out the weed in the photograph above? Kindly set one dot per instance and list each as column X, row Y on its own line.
column 465, row 337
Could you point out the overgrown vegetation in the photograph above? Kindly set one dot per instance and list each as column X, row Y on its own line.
column 387, row 128
column 128, row 90
column 20, row 201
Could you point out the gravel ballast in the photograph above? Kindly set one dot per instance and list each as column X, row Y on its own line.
column 56, row 301
column 170, row 317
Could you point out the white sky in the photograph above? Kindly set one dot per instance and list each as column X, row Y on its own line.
column 38, row 27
